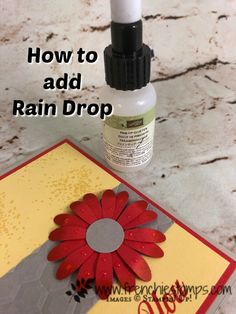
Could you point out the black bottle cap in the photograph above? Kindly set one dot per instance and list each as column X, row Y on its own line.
column 127, row 59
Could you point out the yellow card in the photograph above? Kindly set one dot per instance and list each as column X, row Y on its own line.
column 33, row 194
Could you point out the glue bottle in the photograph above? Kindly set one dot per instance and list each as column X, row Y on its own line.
column 129, row 133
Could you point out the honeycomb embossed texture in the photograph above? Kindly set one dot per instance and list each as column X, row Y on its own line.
column 31, row 287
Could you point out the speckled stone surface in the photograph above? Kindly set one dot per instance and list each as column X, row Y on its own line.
column 194, row 72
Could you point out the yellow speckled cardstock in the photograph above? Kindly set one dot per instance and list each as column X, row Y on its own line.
column 34, row 193
column 32, row 196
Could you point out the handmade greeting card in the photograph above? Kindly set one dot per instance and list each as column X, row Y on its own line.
column 76, row 238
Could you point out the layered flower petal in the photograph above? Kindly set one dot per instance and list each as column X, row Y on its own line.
column 121, row 202
column 108, row 203
column 82, row 210
column 131, row 212
column 149, row 249
column 146, row 217
column 144, row 235
column 126, row 262
column 136, row 262
column 104, row 275
column 68, row 219
column 92, row 201
column 73, row 262
column 124, row 275
column 67, row 233
column 87, row 270
column 64, row 249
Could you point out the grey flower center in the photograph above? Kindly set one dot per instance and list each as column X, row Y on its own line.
column 105, row 235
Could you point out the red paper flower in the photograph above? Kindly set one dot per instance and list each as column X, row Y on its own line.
column 100, row 239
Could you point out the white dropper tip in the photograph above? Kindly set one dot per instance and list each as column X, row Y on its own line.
column 126, row 11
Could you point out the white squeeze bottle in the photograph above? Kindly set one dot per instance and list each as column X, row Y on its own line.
column 128, row 134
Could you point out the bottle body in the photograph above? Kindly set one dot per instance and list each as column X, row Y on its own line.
column 128, row 134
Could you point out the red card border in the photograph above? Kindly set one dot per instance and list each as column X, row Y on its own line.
column 225, row 276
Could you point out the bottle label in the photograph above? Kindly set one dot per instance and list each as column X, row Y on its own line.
column 129, row 140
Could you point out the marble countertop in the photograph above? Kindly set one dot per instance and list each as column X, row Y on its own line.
column 194, row 73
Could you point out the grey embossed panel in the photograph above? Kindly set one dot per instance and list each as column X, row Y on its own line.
column 31, row 287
